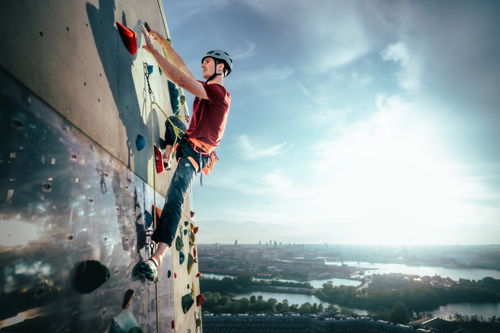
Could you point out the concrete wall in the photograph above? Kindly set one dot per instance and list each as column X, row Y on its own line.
column 74, row 187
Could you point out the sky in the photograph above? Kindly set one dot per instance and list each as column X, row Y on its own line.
column 352, row 122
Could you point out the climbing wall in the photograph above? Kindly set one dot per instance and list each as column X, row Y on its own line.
column 82, row 109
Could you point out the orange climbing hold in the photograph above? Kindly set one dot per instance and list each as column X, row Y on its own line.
column 129, row 37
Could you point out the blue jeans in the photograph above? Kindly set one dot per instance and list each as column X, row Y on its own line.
column 181, row 181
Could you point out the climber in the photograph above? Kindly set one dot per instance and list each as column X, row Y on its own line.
column 195, row 150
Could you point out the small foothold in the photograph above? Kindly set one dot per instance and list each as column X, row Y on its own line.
column 150, row 69
column 198, row 274
column 140, row 142
column 127, row 299
column 191, row 213
column 173, row 324
column 70, row 237
column 183, row 99
column 186, row 223
column 175, row 275
column 181, row 258
column 169, row 273
column 185, row 231
column 195, row 230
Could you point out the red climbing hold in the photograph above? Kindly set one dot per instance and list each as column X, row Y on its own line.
column 158, row 160
column 194, row 252
column 199, row 299
column 129, row 37
column 175, row 275
column 195, row 230
column 198, row 274
column 191, row 213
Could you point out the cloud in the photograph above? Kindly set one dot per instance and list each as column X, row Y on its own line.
column 250, row 152
column 245, row 53
column 409, row 75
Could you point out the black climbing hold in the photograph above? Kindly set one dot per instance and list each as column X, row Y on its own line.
column 186, row 223
column 169, row 273
column 90, row 275
column 140, row 142
column 127, row 299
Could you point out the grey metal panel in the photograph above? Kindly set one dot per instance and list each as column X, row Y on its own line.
column 64, row 200
column 70, row 54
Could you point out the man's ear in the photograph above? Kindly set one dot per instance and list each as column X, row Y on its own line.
column 220, row 68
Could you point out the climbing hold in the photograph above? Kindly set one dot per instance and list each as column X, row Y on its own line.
column 194, row 252
column 183, row 101
column 190, row 263
column 191, row 213
column 158, row 160
column 179, row 244
column 195, row 230
column 129, row 37
column 199, row 299
column 185, row 231
column 173, row 324
column 90, row 275
column 181, row 258
column 175, row 275
column 159, row 70
column 174, row 97
column 127, row 299
column 150, row 69
column 169, row 273
column 186, row 223
column 148, row 219
column 187, row 301
column 140, row 142
column 198, row 322
column 198, row 274
column 156, row 211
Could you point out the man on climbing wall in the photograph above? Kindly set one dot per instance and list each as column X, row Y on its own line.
column 195, row 147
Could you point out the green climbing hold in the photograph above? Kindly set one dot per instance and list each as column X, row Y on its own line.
column 187, row 302
column 179, row 244
column 183, row 99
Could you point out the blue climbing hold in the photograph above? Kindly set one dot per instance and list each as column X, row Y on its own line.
column 185, row 231
column 140, row 142
column 181, row 257
column 150, row 69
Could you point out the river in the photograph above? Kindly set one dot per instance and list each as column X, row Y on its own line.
column 452, row 273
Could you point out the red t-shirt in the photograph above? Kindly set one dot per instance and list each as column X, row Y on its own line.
column 210, row 115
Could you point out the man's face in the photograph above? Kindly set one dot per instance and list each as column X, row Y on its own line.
column 207, row 66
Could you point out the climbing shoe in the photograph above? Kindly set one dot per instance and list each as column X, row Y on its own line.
column 150, row 269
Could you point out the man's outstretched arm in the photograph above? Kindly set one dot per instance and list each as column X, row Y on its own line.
column 172, row 55
column 175, row 74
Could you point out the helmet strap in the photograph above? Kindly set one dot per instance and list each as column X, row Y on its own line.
column 215, row 74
